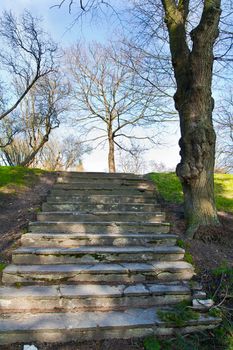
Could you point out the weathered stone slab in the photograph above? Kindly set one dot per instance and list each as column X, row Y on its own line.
column 102, row 199
column 30, row 347
column 77, row 240
column 85, row 254
column 99, row 175
column 199, row 295
column 70, row 298
column 62, row 327
column 96, row 207
column 92, row 185
column 100, row 227
column 202, row 304
column 102, row 191
column 109, row 272
column 109, row 180
column 101, row 216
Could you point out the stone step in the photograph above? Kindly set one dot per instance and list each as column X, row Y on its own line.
column 98, row 175
column 54, row 206
column 76, row 239
column 98, row 273
column 89, row 255
column 102, row 199
column 101, row 216
column 97, row 185
column 107, row 180
column 202, row 304
column 93, row 325
column 102, row 191
column 73, row 298
column 99, row 227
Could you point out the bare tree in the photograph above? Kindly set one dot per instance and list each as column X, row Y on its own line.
column 133, row 161
column 63, row 154
column 224, row 124
column 40, row 113
column 159, row 167
column 27, row 55
column 107, row 97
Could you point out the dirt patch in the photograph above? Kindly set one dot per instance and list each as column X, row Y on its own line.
column 207, row 255
column 16, row 210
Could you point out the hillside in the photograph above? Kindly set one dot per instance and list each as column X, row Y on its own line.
column 22, row 191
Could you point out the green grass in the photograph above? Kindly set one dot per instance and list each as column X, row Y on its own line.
column 224, row 191
column 12, row 177
column 2, row 266
column 168, row 186
column 179, row 315
column 170, row 189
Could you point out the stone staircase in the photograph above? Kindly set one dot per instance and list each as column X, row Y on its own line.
column 98, row 263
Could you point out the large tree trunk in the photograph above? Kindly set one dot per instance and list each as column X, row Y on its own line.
column 196, row 168
column 193, row 100
column 111, row 154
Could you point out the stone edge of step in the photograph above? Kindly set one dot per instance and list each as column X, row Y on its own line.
column 104, row 223
column 101, row 250
column 86, row 290
column 101, row 267
column 156, row 236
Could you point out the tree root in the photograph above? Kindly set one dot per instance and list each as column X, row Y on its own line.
column 205, row 233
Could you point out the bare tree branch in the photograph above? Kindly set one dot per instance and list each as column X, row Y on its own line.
column 30, row 54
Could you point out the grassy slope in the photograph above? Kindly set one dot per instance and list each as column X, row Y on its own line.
column 17, row 177
column 170, row 189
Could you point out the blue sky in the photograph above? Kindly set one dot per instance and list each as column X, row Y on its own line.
column 57, row 22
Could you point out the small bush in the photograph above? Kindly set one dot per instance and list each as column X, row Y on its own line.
column 2, row 266
column 179, row 315
column 151, row 343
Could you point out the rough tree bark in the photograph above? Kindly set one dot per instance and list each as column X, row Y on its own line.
column 111, row 157
column 194, row 103
column 111, row 151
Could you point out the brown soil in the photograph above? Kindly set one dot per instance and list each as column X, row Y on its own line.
column 16, row 211
column 207, row 253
